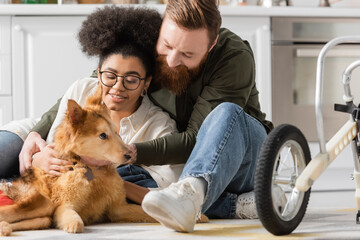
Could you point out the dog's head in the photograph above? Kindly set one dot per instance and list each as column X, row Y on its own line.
column 90, row 132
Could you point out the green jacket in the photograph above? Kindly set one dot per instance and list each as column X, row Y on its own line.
column 228, row 76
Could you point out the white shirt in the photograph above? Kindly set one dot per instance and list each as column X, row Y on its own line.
column 146, row 123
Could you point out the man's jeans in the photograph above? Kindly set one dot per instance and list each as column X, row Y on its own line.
column 10, row 147
column 225, row 155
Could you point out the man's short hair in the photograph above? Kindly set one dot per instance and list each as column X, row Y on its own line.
column 196, row 14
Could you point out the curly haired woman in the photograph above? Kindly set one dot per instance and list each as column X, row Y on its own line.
column 126, row 52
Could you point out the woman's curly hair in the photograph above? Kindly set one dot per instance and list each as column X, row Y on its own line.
column 121, row 30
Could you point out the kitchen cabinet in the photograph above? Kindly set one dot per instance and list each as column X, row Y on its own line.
column 5, row 110
column 256, row 30
column 5, row 71
column 46, row 60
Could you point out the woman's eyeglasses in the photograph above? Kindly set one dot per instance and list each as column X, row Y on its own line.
column 129, row 82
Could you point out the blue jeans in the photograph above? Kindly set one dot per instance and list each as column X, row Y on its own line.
column 225, row 155
column 137, row 175
column 10, row 147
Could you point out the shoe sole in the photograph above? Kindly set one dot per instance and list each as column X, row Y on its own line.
column 164, row 217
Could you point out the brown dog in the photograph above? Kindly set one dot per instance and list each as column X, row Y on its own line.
column 83, row 195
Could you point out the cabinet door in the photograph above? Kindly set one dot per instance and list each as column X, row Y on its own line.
column 47, row 59
column 5, row 49
column 256, row 30
column 5, row 110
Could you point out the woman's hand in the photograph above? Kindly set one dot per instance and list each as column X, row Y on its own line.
column 32, row 144
column 47, row 160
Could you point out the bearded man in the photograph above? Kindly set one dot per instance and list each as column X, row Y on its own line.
column 205, row 80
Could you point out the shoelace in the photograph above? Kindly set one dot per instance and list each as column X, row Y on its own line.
column 185, row 189
column 247, row 201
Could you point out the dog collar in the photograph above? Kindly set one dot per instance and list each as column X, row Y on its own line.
column 89, row 174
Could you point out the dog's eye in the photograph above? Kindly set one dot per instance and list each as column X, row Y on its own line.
column 103, row 136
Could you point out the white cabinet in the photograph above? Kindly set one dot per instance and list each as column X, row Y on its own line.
column 5, row 110
column 5, row 71
column 256, row 30
column 46, row 60
column 5, row 51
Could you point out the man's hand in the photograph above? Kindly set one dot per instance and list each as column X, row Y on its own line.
column 131, row 155
column 47, row 160
column 33, row 144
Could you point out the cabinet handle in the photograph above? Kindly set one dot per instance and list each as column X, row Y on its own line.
column 18, row 28
column 332, row 53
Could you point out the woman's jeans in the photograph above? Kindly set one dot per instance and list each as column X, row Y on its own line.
column 225, row 155
column 137, row 175
column 10, row 147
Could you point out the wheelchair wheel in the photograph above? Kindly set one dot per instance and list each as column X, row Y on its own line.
column 283, row 156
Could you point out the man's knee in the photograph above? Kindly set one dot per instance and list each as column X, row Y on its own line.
column 227, row 108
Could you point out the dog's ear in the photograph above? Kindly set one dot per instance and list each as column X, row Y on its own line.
column 96, row 98
column 74, row 112
column 95, row 102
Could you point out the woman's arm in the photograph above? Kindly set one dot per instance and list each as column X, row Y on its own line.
column 135, row 192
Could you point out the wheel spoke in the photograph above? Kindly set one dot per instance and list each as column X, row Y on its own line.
column 295, row 157
column 282, row 180
column 284, row 159
column 291, row 203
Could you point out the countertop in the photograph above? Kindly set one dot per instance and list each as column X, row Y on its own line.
column 246, row 11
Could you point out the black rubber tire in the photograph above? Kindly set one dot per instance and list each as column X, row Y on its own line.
column 263, row 179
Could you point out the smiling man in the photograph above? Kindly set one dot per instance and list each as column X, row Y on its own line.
column 205, row 79
column 208, row 77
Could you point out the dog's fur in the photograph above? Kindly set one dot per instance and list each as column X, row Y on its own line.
column 74, row 199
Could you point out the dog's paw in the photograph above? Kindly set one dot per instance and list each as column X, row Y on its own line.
column 74, row 227
column 202, row 219
column 5, row 229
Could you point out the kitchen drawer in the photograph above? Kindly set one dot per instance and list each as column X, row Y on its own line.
column 5, row 36
column 6, row 114
column 5, row 75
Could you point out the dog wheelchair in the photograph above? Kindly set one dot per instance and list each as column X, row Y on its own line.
column 285, row 171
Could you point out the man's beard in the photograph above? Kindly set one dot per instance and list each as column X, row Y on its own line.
column 176, row 79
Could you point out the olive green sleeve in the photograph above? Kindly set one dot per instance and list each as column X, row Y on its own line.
column 228, row 83
column 172, row 149
column 46, row 121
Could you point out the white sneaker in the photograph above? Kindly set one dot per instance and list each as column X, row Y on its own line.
column 177, row 206
column 246, row 206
